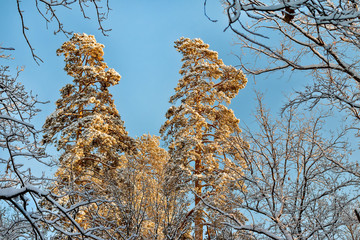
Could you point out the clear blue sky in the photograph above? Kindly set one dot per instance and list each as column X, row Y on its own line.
column 139, row 47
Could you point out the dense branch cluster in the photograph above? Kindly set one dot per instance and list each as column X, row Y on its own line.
column 294, row 179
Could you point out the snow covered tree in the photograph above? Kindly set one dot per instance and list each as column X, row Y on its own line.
column 22, row 216
column 142, row 204
column 18, row 143
column 198, row 130
column 317, row 38
column 137, row 192
column 298, row 183
column 86, row 127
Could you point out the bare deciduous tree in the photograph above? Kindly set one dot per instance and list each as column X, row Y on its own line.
column 295, row 185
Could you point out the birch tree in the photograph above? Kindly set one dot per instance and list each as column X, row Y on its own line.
column 86, row 127
column 197, row 130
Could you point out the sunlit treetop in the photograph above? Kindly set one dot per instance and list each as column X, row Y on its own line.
column 85, row 62
column 205, row 74
column 86, row 117
column 205, row 84
column 86, row 127
column 199, row 128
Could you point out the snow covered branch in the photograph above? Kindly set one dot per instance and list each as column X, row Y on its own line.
column 298, row 180
column 318, row 37
column 27, row 209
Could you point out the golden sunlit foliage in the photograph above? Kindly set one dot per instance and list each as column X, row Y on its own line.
column 134, row 187
column 199, row 129
column 90, row 129
column 138, row 191
column 86, row 127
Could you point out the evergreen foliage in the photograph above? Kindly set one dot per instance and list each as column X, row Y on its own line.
column 199, row 130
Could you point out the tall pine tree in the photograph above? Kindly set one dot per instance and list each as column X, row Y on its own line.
column 199, row 129
column 86, row 127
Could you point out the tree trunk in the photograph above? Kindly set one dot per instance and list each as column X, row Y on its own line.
column 198, row 213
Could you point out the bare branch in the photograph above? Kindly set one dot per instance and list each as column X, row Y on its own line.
column 47, row 9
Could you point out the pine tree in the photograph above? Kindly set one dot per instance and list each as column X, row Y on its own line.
column 198, row 130
column 86, row 127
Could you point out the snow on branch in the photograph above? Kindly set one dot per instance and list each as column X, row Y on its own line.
column 318, row 38
column 27, row 209
column 16, row 120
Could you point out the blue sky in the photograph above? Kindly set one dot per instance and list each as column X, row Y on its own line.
column 139, row 47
